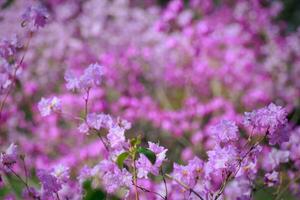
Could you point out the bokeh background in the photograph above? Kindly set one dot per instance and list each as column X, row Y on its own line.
column 172, row 70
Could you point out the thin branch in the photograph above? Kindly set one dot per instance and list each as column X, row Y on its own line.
column 103, row 142
column 86, row 100
column 15, row 74
column 165, row 183
column 231, row 175
column 184, row 186
column 146, row 190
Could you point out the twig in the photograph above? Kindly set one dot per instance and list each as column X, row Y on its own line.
column 165, row 183
column 86, row 100
column 135, row 180
column 184, row 186
column 15, row 74
column 103, row 142
column 231, row 175
column 146, row 190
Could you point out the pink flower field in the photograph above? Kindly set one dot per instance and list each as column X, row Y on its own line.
column 149, row 100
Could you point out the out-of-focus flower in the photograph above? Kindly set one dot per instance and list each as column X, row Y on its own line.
column 61, row 172
column 269, row 118
column 35, row 17
column 116, row 136
column 49, row 105
column 275, row 158
column 145, row 166
column 9, row 157
column 113, row 178
column 272, row 179
column 225, row 131
column 190, row 173
column 92, row 76
column 50, row 184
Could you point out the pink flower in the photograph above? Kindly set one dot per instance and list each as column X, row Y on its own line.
column 116, row 136
column 92, row 76
column 190, row 173
column 272, row 179
column 145, row 166
column 35, row 17
column 50, row 184
column 113, row 178
column 269, row 118
column 9, row 157
column 225, row 131
column 47, row 106
column 72, row 81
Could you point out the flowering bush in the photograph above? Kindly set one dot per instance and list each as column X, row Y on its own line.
column 129, row 100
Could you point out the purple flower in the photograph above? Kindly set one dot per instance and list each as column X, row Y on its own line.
column 225, row 131
column 9, row 157
column 268, row 119
column 239, row 189
column 84, row 174
column 116, row 136
column 190, row 173
column 61, row 172
column 98, row 121
column 271, row 179
column 274, row 158
column 72, row 81
column 222, row 158
column 91, row 77
column 293, row 146
column 112, row 177
column 5, row 82
column 83, row 128
column 145, row 166
column 8, row 48
column 47, row 106
column 281, row 135
column 50, row 183
column 30, row 194
column 35, row 17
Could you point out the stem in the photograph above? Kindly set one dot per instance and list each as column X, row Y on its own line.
column 86, row 100
column 103, row 142
column 146, row 190
column 135, row 180
column 57, row 196
column 20, row 178
column 232, row 175
column 286, row 188
column 25, row 170
column 184, row 186
column 15, row 74
column 165, row 183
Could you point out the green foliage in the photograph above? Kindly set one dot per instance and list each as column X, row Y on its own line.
column 92, row 194
column 121, row 158
column 95, row 194
column 148, row 153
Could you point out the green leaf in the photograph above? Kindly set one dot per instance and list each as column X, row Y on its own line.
column 121, row 158
column 148, row 153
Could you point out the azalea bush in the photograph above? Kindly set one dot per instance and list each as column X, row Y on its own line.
column 119, row 99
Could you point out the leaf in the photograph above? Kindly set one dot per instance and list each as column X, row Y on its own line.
column 148, row 153
column 121, row 158
column 95, row 193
